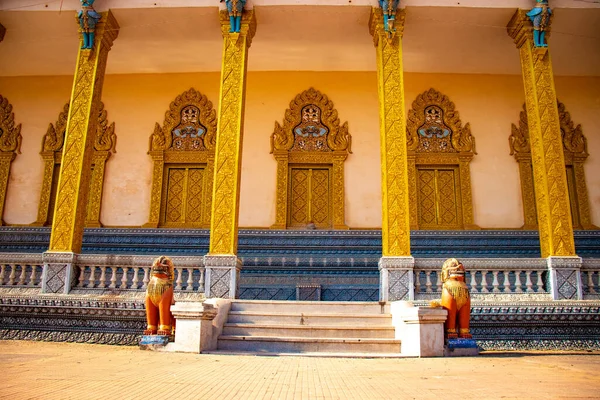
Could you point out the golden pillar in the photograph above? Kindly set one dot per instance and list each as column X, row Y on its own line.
column 222, row 264
column 396, row 264
column 550, row 181
column 76, row 164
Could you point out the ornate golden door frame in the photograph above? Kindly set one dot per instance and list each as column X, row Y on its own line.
column 52, row 149
column 10, row 146
column 575, row 153
column 311, row 136
column 186, row 140
column 437, row 140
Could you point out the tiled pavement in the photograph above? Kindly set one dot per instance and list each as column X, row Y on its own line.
column 82, row 371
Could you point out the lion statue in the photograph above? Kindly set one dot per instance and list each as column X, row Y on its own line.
column 159, row 297
column 455, row 299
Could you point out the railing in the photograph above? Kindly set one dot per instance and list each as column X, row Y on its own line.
column 590, row 277
column 494, row 276
column 101, row 272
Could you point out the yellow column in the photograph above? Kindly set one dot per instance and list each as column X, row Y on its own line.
column 550, row 181
column 396, row 264
column 75, row 171
column 222, row 264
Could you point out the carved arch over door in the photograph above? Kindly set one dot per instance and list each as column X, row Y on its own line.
column 439, row 152
column 183, row 154
column 52, row 150
column 310, row 149
column 10, row 146
column 575, row 154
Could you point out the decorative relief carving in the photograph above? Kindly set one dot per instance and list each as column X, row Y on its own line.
column 551, row 189
column 225, row 202
column 105, row 143
column 311, row 134
column 575, row 153
column 183, row 150
column 440, row 175
column 392, row 128
column 71, row 201
column 10, row 146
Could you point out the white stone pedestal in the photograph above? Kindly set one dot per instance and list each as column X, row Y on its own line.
column 421, row 329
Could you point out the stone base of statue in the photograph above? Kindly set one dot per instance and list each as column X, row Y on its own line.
column 155, row 342
column 461, row 348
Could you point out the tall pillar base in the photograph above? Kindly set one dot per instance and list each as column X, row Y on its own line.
column 59, row 272
column 396, row 278
column 222, row 276
column 565, row 277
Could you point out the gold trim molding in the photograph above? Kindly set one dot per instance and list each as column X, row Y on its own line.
column 575, row 154
column 435, row 136
column 166, row 151
column 290, row 148
column 52, row 148
column 10, row 146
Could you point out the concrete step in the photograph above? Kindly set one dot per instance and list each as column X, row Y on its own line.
column 308, row 331
column 307, row 354
column 317, row 307
column 273, row 318
column 302, row 345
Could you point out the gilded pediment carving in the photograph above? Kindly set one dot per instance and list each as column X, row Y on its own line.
column 433, row 125
column 311, row 124
column 190, row 125
column 10, row 135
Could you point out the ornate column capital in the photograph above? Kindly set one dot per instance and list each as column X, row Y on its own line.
column 377, row 26
column 247, row 28
column 520, row 29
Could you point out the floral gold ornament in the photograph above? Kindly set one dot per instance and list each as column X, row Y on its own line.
column 10, row 146
column 550, row 180
column 440, row 149
column 310, row 149
column 52, row 147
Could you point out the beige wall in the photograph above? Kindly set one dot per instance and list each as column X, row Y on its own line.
column 490, row 103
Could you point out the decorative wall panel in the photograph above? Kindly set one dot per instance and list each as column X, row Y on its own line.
column 10, row 146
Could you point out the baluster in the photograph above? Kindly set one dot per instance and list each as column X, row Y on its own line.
column 495, row 282
column 484, row 283
column 124, row 278
column 590, row 282
column 201, row 288
column 22, row 275
column 428, row 281
column 539, row 282
column 33, row 275
column 518, row 283
column 102, row 282
column 2, row 270
column 179, row 280
column 528, row 282
column 81, row 280
column 92, row 279
column 146, row 277
column 113, row 277
column 136, row 279
column 190, row 280
column 473, row 282
column 13, row 272
column 417, row 282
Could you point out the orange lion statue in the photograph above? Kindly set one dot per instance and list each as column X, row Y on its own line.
column 456, row 300
column 159, row 297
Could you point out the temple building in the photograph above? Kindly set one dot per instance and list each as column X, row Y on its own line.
column 301, row 150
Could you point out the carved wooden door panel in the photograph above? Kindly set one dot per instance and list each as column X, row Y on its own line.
column 182, row 196
column 310, row 197
column 439, row 200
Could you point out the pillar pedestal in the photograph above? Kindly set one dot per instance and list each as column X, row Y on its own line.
column 222, row 276
column 59, row 274
column 396, row 278
column 565, row 278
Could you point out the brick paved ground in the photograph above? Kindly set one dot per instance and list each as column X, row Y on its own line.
column 81, row 371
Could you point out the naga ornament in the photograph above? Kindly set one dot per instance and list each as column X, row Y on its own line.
column 540, row 17
column 159, row 298
column 88, row 18
column 456, row 300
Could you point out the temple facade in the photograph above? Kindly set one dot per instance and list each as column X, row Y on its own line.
column 301, row 150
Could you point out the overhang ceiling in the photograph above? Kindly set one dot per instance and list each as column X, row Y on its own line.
column 298, row 38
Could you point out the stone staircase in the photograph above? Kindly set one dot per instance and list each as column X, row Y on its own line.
column 309, row 328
